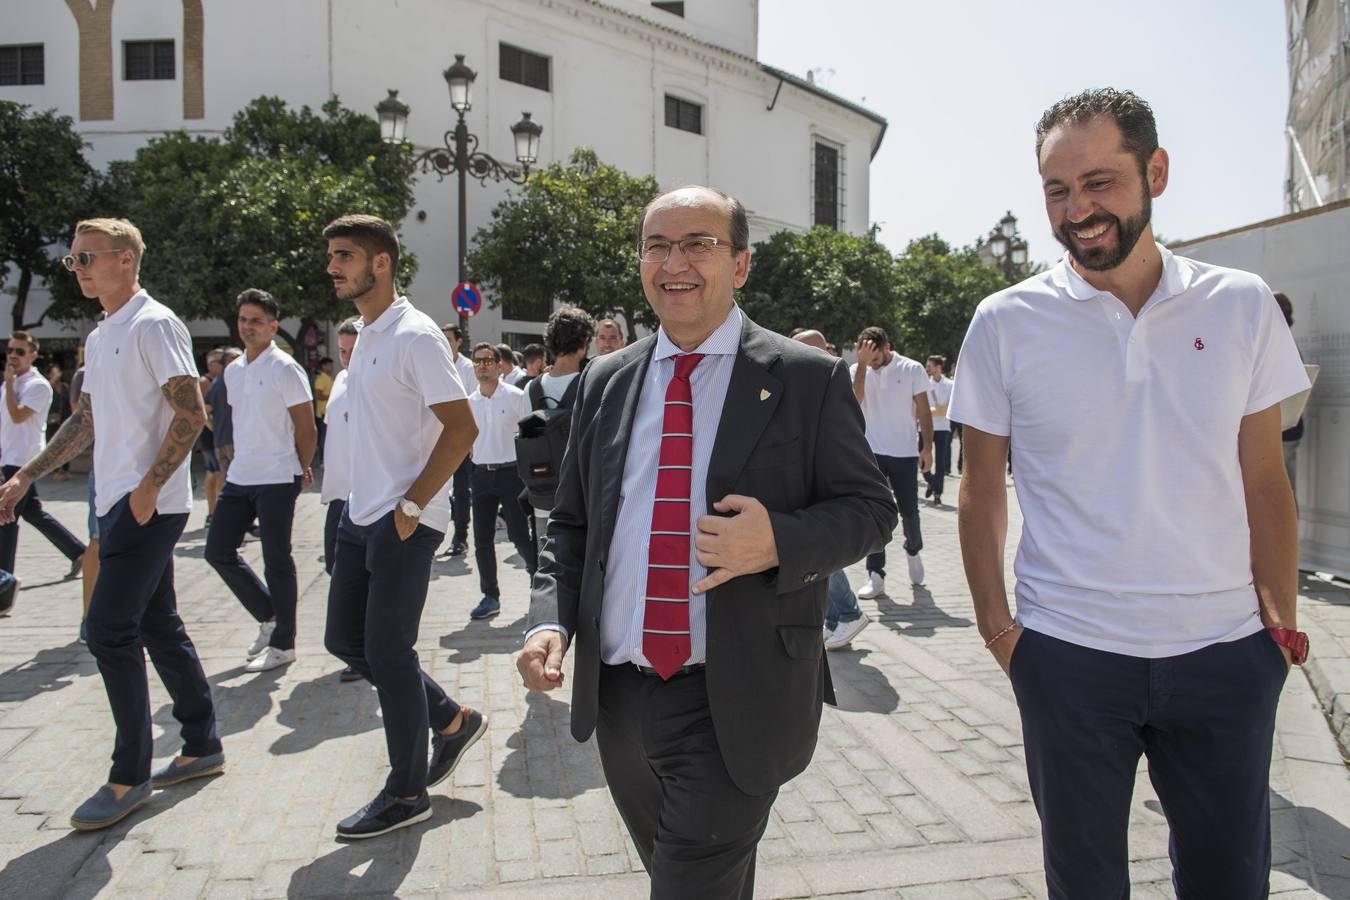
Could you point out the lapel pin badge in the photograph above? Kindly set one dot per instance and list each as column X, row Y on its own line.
column 764, row 394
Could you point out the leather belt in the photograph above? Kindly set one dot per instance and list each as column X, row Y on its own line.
column 682, row 670
column 492, row 467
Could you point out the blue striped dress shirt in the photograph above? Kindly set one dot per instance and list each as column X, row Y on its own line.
column 626, row 574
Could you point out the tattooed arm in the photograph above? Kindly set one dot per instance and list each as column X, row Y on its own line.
column 71, row 439
column 189, row 417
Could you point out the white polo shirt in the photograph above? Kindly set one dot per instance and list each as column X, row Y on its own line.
column 497, row 417
column 337, row 451
column 464, row 368
column 940, row 394
column 128, row 359
column 515, row 376
column 888, row 405
column 400, row 367
column 21, row 441
column 1124, row 440
column 261, row 394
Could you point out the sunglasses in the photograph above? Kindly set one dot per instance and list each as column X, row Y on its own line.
column 16, row 351
column 484, row 360
column 82, row 259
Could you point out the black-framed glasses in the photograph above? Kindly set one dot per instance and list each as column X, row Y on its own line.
column 484, row 360
column 82, row 259
column 16, row 351
column 694, row 248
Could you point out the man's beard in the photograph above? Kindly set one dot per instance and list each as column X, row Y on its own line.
column 359, row 287
column 1103, row 258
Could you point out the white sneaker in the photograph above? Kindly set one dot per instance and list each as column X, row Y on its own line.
column 845, row 632
column 270, row 658
column 262, row 640
column 874, row 586
column 915, row 570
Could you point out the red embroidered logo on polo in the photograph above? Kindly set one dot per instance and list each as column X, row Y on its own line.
column 665, row 622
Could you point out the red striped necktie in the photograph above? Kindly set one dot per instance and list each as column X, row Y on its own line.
column 665, row 622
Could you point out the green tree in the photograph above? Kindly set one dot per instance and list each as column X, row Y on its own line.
column 937, row 289
column 219, row 216
column 569, row 235
column 834, row 282
column 45, row 184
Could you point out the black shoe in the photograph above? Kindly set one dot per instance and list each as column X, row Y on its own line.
column 384, row 814
column 8, row 594
column 458, row 548
column 350, row 674
column 929, row 492
column 448, row 749
column 487, row 608
column 76, row 567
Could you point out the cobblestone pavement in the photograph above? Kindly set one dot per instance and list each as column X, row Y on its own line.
column 917, row 788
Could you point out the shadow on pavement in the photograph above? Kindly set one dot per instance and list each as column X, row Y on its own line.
column 324, row 709
column 238, row 707
column 384, row 861
column 922, row 618
column 49, row 670
column 477, row 638
column 544, row 760
column 75, row 866
column 859, row 687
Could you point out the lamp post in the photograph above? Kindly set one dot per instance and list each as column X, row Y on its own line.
column 1007, row 247
column 459, row 154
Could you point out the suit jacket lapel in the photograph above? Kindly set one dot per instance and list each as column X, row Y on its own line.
column 752, row 397
column 622, row 390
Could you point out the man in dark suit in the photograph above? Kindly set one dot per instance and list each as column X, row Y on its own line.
column 716, row 474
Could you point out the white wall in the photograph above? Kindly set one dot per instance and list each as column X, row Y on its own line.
column 1305, row 257
column 610, row 73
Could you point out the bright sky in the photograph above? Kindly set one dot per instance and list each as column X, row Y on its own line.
column 963, row 83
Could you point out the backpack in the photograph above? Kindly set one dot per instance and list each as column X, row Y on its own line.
column 541, row 440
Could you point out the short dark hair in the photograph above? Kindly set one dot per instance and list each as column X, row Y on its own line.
column 261, row 299
column 326, row 361
column 482, row 345
column 1286, row 307
column 452, row 327
column 1132, row 115
column 939, row 360
column 569, row 329
column 534, row 351
column 373, row 234
column 740, row 221
column 876, row 334
column 349, row 326
column 505, row 353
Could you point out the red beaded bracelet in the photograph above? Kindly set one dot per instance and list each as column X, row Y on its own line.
column 989, row 643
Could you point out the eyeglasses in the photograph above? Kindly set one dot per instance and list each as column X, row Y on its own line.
column 694, row 249
column 16, row 351
column 82, row 259
column 484, row 360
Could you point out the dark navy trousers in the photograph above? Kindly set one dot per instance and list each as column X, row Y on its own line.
column 375, row 601
column 903, row 474
column 134, row 610
column 29, row 509
column 1205, row 721
column 273, row 505
column 498, row 489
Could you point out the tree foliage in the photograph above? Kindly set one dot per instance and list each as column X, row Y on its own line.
column 834, row 282
column 249, row 210
column 45, row 186
column 570, row 236
column 937, row 289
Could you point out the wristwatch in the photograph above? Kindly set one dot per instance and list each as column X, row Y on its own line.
column 409, row 508
column 1296, row 642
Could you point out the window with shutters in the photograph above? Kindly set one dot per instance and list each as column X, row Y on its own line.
column 684, row 115
column 148, row 61
column 827, row 183
column 523, row 67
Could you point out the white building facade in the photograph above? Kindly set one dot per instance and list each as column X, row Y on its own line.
column 670, row 89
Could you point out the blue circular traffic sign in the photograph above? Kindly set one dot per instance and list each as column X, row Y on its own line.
column 467, row 298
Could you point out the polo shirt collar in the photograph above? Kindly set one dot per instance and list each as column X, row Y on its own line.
column 725, row 341
column 390, row 315
column 129, row 309
column 1177, row 275
column 270, row 349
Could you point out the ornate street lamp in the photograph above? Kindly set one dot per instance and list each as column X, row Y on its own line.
column 459, row 154
column 1006, row 246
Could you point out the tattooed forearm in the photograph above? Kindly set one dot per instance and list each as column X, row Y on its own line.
column 189, row 417
column 73, row 438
